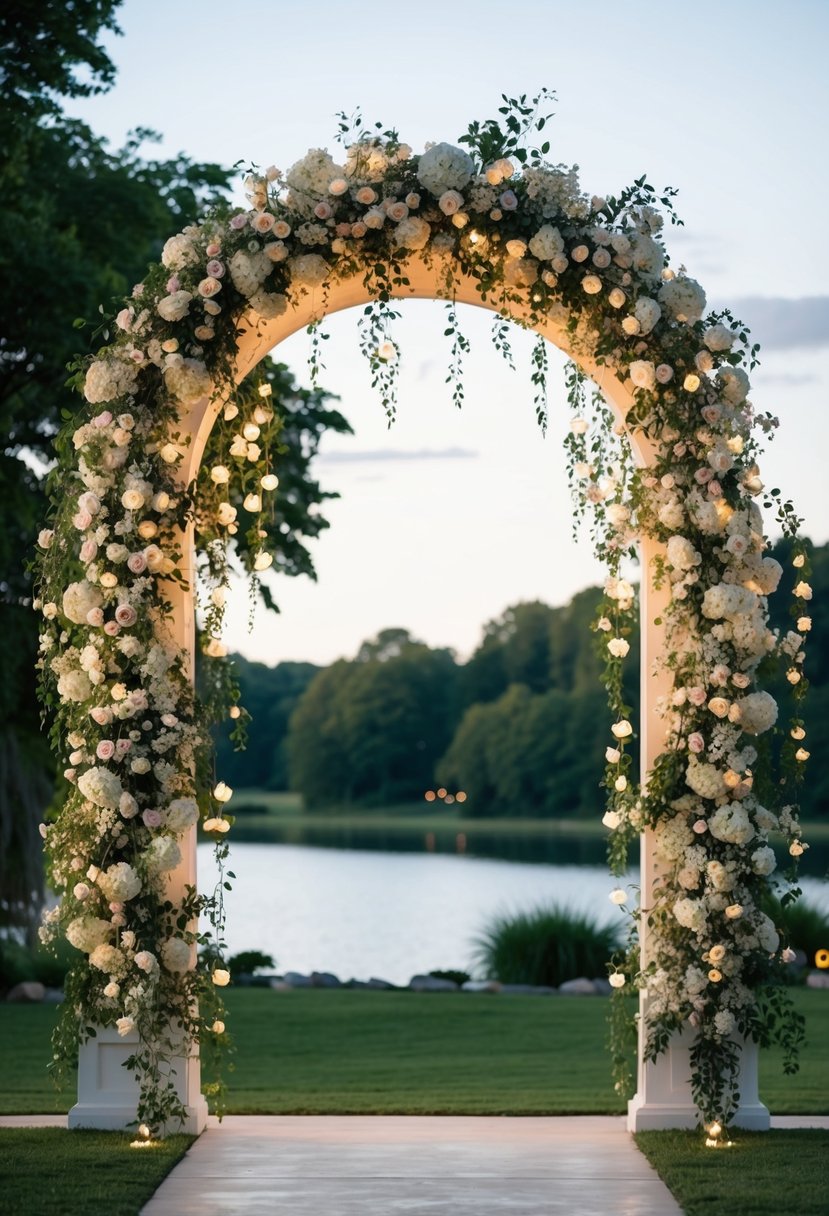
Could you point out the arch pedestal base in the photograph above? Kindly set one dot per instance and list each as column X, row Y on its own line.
column 108, row 1092
column 663, row 1099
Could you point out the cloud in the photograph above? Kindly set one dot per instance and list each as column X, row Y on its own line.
column 779, row 324
column 785, row 379
column 392, row 454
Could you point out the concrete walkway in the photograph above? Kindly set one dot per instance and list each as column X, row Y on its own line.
column 294, row 1165
column 413, row 1166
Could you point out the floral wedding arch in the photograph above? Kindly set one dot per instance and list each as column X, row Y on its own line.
column 663, row 451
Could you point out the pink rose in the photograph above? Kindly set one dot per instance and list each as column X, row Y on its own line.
column 323, row 211
column 173, row 283
column 209, row 287
column 122, row 746
column 696, row 743
column 101, row 714
column 711, row 414
column 697, row 695
column 365, row 196
column 124, row 319
column 262, row 222
column 215, row 268
column 137, row 563
column 703, row 475
column 103, row 419
column 82, row 520
column 397, row 212
column 238, row 220
column 95, row 617
column 126, row 615
column 359, row 229
column 152, row 819
column 714, row 489
column 212, row 250
column 700, row 826
column 112, row 629
column 281, row 229
column 450, row 202
column 70, row 774
column 89, row 551
column 343, row 230
column 105, row 749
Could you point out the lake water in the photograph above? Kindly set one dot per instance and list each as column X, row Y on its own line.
column 364, row 913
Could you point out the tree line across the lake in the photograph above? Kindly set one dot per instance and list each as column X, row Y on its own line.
column 520, row 728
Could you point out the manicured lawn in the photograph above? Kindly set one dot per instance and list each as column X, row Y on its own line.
column 314, row 1052
column 52, row 1172
column 762, row 1174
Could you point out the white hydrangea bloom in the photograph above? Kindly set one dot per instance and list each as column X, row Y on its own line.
column 309, row 270
column 176, row 955
column 163, row 854
column 187, row 381
column 444, row 167
column 101, row 787
column 412, row 233
column 108, row 379
column 731, row 824
column 119, row 882
column 683, row 299
column 87, row 932
column 758, row 712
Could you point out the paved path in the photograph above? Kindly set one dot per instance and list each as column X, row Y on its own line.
column 291, row 1165
column 413, row 1166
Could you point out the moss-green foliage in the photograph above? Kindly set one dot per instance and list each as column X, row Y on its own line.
column 762, row 1174
column 802, row 926
column 321, row 1052
column 546, row 945
column 49, row 1171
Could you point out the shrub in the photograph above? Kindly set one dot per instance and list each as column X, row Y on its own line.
column 457, row 977
column 801, row 925
column 545, row 946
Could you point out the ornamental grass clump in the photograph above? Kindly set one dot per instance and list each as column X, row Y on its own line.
column 545, row 946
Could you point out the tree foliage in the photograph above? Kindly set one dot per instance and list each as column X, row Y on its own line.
column 81, row 223
column 371, row 730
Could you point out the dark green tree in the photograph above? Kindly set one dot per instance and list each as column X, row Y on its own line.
column 370, row 731
column 80, row 224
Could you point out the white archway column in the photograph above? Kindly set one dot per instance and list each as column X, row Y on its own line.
column 663, row 1086
column 107, row 1092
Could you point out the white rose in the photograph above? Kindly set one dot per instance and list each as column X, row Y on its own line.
column 643, row 373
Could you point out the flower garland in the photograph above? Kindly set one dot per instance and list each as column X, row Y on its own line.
column 124, row 708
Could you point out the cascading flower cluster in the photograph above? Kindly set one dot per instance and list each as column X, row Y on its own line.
column 125, row 710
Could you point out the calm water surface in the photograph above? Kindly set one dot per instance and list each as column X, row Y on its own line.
column 368, row 913
column 361, row 914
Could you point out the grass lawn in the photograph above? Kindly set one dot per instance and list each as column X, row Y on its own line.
column 48, row 1171
column 341, row 1052
column 762, row 1174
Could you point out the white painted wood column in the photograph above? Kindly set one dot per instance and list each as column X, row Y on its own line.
column 663, row 1090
